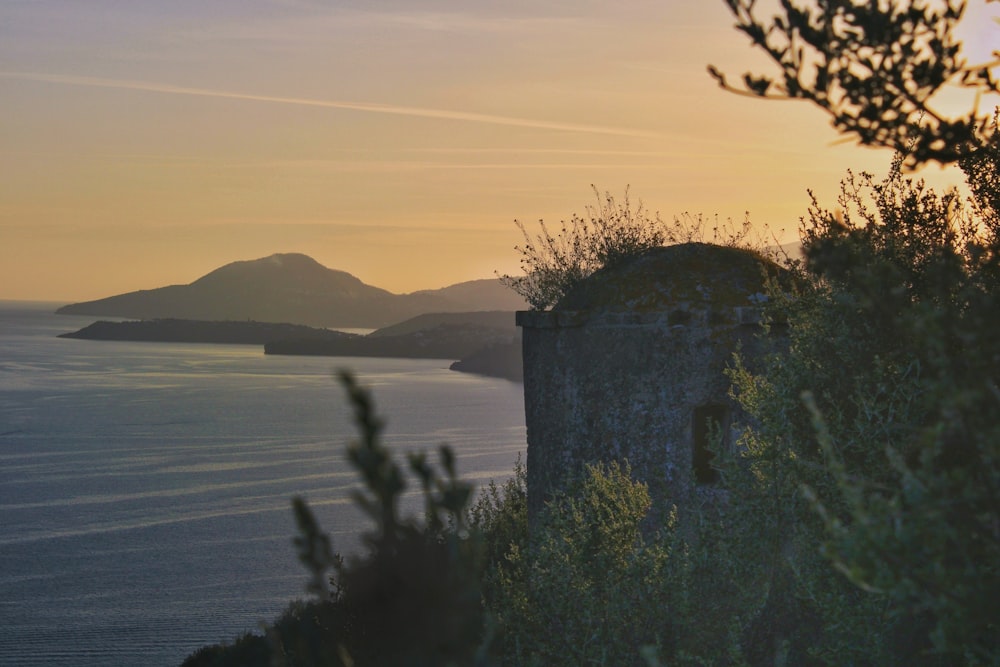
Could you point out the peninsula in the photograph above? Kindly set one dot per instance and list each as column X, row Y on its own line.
column 486, row 343
column 171, row 330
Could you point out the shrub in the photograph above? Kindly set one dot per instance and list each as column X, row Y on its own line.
column 891, row 463
column 609, row 233
column 413, row 598
column 589, row 588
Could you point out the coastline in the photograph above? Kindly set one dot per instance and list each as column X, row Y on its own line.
column 480, row 349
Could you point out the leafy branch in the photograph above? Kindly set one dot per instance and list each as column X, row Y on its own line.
column 874, row 68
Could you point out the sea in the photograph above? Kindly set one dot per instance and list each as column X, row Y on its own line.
column 145, row 488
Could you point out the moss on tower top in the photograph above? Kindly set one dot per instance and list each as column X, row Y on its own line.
column 687, row 276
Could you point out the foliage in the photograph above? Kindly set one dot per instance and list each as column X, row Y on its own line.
column 892, row 343
column 811, row 613
column 248, row 650
column 500, row 516
column 883, row 409
column 983, row 178
column 610, row 233
column 874, row 68
column 601, row 582
column 412, row 599
column 589, row 589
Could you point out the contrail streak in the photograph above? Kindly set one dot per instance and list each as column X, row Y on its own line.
column 371, row 107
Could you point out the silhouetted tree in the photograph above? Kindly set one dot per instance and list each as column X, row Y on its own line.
column 874, row 68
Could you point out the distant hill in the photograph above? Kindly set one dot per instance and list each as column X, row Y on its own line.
column 500, row 359
column 500, row 320
column 433, row 336
column 294, row 288
column 196, row 331
column 486, row 294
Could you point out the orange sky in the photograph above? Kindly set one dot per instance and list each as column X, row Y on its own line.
column 146, row 143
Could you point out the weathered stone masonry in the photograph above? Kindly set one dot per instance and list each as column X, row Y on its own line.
column 630, row 366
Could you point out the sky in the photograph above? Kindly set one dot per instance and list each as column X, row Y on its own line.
column 147, row 142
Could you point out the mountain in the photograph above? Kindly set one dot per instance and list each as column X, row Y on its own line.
column 430, row 336
column 500, row 359
column 502, row 321
column 486, row 294
column 292, row 288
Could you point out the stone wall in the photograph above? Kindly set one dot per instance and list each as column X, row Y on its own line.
column 608, row 380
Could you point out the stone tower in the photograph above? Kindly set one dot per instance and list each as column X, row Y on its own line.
column 630, row 365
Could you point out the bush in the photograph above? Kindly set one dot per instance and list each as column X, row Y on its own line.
column 588, row 588
column 248, row 651
column 877, row 432
column 412, row 599
column 610, row 233
column 500, row 515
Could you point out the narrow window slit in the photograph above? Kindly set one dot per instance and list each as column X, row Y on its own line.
column 710, row 424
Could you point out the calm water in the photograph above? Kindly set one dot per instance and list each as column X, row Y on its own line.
column 145, row 487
